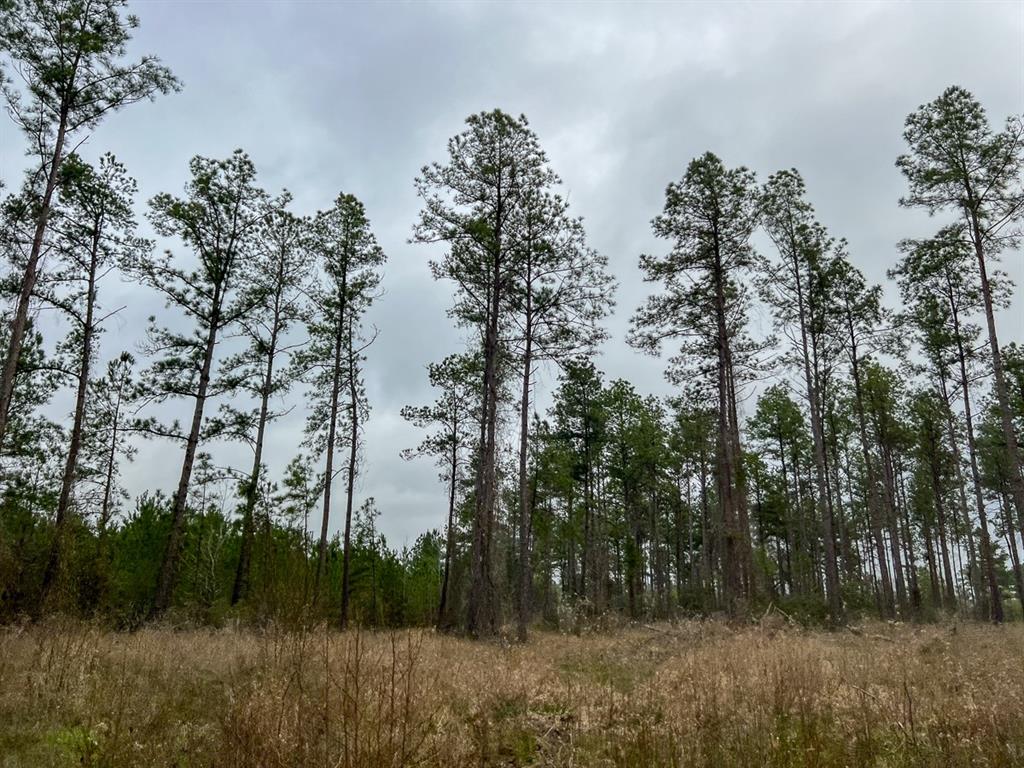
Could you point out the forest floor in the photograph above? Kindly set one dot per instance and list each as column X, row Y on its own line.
column 687, row 694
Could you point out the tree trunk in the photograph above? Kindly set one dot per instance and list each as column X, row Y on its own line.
column 987, row 563
column 977, row 590
column 586, row 566
column 1011, row 545
column 172, row 554
column 888, row 606
column 105, row 505
column 908, row 539
column 449, row 547
column 53, row 562
column 28, row 282
column 481, row 619
column 332, row 435
column 732, row 580
column 525, row 572
column 742, row 517
column 935, row 591
column 835, row 601
column 1005, row 414
column 940, row 520
column 353, row 391
column 241, row 586
column 891, row 508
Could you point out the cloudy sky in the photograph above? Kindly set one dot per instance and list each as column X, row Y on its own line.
column 353, row 97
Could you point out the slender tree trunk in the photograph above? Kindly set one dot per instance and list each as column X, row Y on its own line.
column 707, row 537
column 908, row 537
column 449, row 546
column 332, row 435
column 172, row 554
column 977, row 590
column 108, row 481
column 105, row 504
column 525, row 571
column 835, row 601
column 732, row 576
column 889, row 488
column 353, row 391
column 678, row 525
column 241, row 585
column 935, row 591
column 940, row 519
column 788, row 513
column 1011, row 545
column 571, row 578
column 1005, row 414
column 742, row 516
column 28, row 283
column 586, row 566
column 658, row 575
column 987, row 563
column 53, row 562
column 694, row 576
column 888, row 606
column 481, row 616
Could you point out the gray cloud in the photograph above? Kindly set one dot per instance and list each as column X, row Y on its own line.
column 356, row 97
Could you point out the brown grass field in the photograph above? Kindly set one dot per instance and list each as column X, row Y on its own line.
column 688, row 694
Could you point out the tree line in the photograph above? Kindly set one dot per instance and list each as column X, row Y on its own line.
column 858, row 460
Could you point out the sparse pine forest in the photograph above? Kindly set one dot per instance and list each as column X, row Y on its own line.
column 828, row 458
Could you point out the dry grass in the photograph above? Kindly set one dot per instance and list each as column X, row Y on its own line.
column 690, row 694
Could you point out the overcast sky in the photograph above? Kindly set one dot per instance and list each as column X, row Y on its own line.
column 329, row 97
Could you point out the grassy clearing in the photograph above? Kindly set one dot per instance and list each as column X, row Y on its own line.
column 691, row 694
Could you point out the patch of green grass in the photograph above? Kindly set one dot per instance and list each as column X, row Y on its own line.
column 78, row 743
column 605, row 671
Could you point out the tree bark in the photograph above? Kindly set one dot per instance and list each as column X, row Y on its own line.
column 987, row 564
column 332, row 435
column 28, row 282
column 449, row 547
column 241, row 585
column 940, row 519
column 53, row 562
column 732, row 580
column 888, row 606
column 353, row 390
column 525, row 571
column 835, row 601
column 1011, row 542
column 1005, row 414
column 481, row 615
column 172, row 554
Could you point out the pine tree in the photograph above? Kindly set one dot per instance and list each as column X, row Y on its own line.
column 862, row 332
column 217, row 219
column 691, row 447
column 940, row 290
column 494, row 170
column 106, row 444
column 70, row 58
column 275, row 277
column 928, row 414
column 799, row 290
column 579, row 420
column 95, row 230
column 709, row 217
column 350, row 258
column 779, row 431
column 560, row 293
column 455, row 415
column 957, row 163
